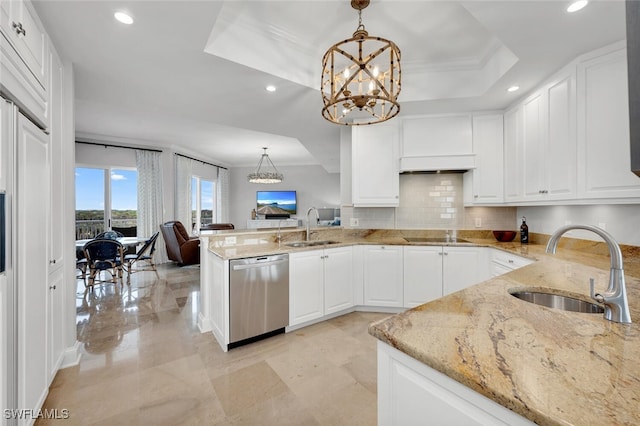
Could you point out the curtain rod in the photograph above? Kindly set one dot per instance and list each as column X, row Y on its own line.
column 200, row 161
column 118, row 146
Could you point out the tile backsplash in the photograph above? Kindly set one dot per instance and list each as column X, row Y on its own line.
column 431, row 201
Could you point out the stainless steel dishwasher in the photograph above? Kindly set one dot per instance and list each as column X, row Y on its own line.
column 258, row 297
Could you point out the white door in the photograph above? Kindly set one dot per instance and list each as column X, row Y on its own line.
column 422, row 274
column 383, row 276
column 463, row 267
column 306, row 286
column 338, row 279
column 32, row 261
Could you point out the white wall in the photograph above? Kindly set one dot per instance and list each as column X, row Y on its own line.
column 314, row 186
column 621, row 221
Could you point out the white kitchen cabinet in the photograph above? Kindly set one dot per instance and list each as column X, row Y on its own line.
column 320, row 283
column 512, row 155
column 375, row 176
column 503, row 262
column 463, row 267
column 540, row 143
column 306, row 286
column 604, row 168
column 422, row 266
column 338, row 279
column 485, row 183
column 409, row 390
column 383, row 276
column 437, row 142
column 24, row 61
column 32, row 197
column 55, row 319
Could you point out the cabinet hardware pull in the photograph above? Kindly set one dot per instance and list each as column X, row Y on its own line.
column 51, row 262
column 52, row 287
column 18, row 28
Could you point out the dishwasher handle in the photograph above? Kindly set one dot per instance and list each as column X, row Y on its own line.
column 258, row 264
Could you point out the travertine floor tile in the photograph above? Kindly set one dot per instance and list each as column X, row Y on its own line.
column 144, row 362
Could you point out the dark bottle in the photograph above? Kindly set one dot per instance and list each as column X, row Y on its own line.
column 524, row 231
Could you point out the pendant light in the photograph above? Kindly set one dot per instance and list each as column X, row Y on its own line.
column 269, row 175
column 361, row 78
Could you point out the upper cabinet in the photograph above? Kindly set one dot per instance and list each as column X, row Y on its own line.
column 603, row 127
column 442, row 142
column 484, row 184
column 375, row 176
column 540, row 143
column 24, row 58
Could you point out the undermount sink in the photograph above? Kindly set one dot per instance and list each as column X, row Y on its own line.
column 556, row 301
column 434, row 240
column 311, row 243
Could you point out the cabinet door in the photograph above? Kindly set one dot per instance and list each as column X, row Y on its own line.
column 338, row 279
column 512, row 155
column 56, row 238
column 306, row 286
column 463, row 267
column 27, row 36
column 422, row 274
column 32, row 259
column 560, row 150
column 533, row 141
column 55, row 324
column 383, row 276
column 604, row 165
column 375, row 178
column 487, row 181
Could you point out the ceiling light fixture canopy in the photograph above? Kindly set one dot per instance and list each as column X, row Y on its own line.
column 265, row 176
column 361, row 78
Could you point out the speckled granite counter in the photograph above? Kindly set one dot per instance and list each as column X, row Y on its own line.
column 550, row 366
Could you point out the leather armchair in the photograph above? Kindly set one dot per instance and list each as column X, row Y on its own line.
column 181, row 247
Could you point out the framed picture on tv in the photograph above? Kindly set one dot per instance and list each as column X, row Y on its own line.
column 276, row 203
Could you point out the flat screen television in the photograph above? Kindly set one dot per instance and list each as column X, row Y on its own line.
column 276, row 204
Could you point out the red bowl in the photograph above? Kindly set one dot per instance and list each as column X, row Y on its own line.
column 504, row 236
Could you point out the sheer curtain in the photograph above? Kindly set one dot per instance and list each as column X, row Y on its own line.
column 222, row 196
column 184, row 171
column 150, row 199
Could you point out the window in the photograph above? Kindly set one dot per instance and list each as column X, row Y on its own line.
column 202, row 204
column 105, row 198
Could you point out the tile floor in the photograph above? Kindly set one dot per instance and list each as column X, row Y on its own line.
column 145, row 362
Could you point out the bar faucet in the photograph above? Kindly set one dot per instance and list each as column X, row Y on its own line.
column 308, row 222
column 616, row 307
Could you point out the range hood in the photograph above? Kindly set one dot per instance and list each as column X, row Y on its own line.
column 633, row 64
column 438, row 163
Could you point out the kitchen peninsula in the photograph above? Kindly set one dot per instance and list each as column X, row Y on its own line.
column 546, row 365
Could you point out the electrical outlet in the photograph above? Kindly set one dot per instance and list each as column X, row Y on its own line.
column 602, row 225
column 478, row 222
column 229, row 241
column 354, row 221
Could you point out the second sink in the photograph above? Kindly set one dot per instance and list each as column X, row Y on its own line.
column 557, row 301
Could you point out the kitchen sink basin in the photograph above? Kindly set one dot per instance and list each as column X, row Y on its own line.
column 434, row 240
column 311, row 243
column 557, row 301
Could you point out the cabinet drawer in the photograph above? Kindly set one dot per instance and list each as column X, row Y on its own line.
column 508, row 260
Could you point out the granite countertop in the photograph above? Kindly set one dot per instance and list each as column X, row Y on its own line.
column 550, row 366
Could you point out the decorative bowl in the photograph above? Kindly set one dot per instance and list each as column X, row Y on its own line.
column 504, row 236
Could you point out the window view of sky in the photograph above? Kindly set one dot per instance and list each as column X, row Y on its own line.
column 90, row 189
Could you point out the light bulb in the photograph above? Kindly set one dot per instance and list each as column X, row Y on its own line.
column 376, row 71
column 346, row 73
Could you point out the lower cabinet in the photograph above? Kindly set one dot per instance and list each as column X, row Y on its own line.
column 383, row 276
column 503, row 262
column 409, row 390
column 422, row 274
column 431, row 272
column 320, row 283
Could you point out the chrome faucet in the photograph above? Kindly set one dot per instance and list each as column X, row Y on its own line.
column 616, row 307
column 308, row 221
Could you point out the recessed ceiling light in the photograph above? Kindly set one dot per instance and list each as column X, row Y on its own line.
column 271, row 88
column 123, row 17
column 577, row 5
column 513, row 88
